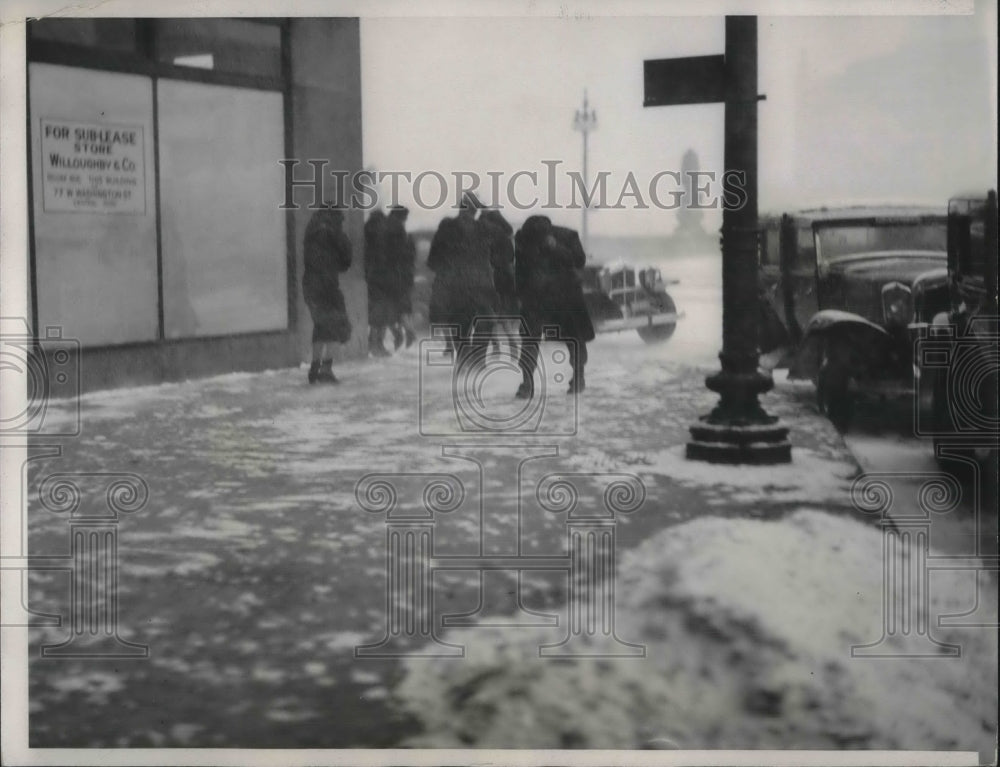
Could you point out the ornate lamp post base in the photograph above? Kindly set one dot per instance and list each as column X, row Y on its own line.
column 732, row 444
column 739, row 430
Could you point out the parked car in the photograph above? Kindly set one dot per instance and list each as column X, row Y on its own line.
column 853, row 288
column 958, row 359
column 623, row 297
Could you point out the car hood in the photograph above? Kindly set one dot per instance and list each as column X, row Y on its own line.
column 901, row 266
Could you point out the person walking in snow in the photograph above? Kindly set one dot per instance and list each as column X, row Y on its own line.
column 401, row 256
column 327, row 253
column 546, row 260
column 380, row 279
column 463, row 290
column 499, row 236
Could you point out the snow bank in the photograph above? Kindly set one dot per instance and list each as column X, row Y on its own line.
column 748, row 627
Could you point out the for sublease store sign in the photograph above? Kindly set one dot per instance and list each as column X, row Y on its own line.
column 92, row 167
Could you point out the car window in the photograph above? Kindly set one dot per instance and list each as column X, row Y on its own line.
column 805, row 248
column 835, row 241
column 976, row 254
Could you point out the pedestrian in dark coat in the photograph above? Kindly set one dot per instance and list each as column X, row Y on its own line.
column 463, row 277
column 326, row 253
column 547, row 258
column 402, row 258
column 380, row 277
column 499, row 236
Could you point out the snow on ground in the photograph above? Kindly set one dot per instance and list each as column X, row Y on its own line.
column 811, row 478
column 748, row 628
column 253, row 573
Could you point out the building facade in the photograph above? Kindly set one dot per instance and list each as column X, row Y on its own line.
column 159, row 243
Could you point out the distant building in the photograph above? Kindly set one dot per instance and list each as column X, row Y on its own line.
column 157, row 237
column 690, row 232
column 689, row 218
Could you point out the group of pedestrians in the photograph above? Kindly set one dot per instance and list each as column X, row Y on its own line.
column 488, row 282
column 484, row 282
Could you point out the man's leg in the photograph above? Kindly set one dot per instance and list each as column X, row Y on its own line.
column 375, row 333
column 528, row 363
column 396, row 327
column 513, row 335
column 407, row 323
column 473, row 342
column 495, row 337
column 317, row 358
column 577, row 362
column 324, row 373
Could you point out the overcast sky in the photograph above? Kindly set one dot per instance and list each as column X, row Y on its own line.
column 857, row 108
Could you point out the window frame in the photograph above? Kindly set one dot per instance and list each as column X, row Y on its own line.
column 143, row 62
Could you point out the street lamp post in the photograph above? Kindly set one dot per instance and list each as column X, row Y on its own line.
column 585, row 121
column 738, row 430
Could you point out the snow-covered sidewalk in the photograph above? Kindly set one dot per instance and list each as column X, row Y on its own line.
column 253, row 572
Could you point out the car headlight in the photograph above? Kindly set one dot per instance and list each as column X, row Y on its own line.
column 897, row 303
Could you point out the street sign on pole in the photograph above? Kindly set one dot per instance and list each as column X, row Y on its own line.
column 691, row 80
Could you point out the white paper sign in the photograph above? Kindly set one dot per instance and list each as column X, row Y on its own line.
column 92, row 167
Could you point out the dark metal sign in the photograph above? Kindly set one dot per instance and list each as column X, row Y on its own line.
column 690, row 80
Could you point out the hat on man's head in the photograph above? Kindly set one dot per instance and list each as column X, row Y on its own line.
column 470, row 202
column 495, row 217
column 537, row 224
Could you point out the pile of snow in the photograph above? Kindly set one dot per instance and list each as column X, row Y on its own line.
column 748, row 627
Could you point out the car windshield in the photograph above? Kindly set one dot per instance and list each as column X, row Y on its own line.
column 835, row 241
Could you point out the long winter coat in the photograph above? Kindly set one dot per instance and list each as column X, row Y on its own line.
column 379, row 273
column 499, row 236
column 326, row 253
column 547, row 258
column 463, row 276
column 401, row 255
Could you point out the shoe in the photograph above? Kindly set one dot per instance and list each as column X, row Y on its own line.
column 313, row 371
column 397, row 338
column 525, row 391
column 375, row 346
column 325, row 374
column 576, row 385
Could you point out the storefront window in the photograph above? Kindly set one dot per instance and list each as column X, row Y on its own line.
column 223, row 234
column 224, row 45
column 93, row 201
column 107, row 180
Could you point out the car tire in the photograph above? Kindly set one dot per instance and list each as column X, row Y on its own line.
column 657, row 334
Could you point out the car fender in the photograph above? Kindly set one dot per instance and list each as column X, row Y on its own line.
column 827, row 321
column 863, row 342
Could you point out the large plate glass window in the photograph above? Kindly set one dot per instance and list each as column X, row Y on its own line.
column 223, row 233
column 94, row 203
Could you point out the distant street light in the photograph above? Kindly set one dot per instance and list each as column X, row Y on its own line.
column 585, row 121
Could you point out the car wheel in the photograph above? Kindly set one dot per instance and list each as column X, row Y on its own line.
column 657, row 334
